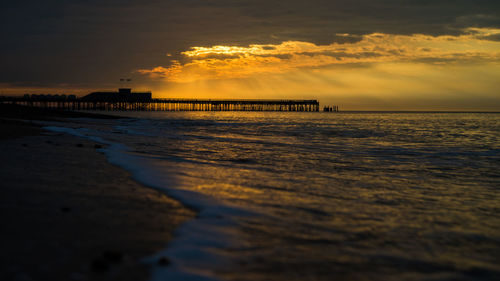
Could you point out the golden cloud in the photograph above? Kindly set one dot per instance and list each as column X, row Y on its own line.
column 222, row 62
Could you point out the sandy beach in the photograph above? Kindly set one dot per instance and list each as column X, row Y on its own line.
column 67, row 214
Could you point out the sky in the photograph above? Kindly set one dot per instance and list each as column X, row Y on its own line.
column 358, row 54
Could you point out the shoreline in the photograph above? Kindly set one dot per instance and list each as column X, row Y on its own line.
column 65, row 218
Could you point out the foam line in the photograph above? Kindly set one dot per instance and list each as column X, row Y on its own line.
column 199, row 244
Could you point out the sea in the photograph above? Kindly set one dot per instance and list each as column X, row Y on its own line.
column 317, row 195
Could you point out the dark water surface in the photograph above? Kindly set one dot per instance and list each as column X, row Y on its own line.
column 348, row 196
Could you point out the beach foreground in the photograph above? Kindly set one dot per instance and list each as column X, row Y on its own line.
column 67, row 214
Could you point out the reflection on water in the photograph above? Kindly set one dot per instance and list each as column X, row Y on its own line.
column 350, row 196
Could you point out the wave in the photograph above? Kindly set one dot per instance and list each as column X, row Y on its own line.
column 198, row 247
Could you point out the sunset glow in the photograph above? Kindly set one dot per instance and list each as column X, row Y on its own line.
column 222, row 62
column 405, row 71
column 362, row 56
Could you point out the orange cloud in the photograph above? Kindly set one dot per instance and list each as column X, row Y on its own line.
column 222, row 62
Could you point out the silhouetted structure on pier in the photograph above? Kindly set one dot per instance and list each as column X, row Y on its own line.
column 126, row 100
column 123, row 95
column 334, row 108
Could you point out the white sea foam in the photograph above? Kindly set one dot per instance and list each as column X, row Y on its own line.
column 198, row 247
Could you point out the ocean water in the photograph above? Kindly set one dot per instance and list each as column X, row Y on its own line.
column 320, row 196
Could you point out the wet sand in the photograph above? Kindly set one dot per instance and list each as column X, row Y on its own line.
column 67, row 214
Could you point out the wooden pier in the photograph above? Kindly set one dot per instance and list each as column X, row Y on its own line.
column 73, row 103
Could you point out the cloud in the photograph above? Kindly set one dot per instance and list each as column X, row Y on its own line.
column 93, row 42
column 477, row 20
column 223, row 62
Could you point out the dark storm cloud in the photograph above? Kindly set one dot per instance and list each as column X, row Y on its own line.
column 89, row 43
column 477, row 20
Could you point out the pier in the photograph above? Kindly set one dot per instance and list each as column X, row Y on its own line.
column 109, row 103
